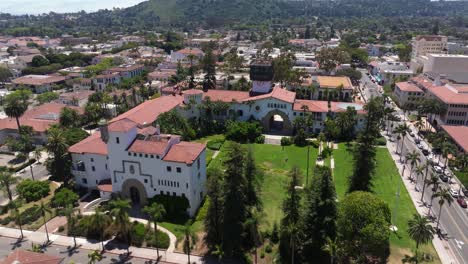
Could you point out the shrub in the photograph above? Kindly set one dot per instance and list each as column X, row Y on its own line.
column 243, row 132
column 138, row 234
column 33, row 190
column 275, row 234
column 162, row 240
column 64, row 197
column 262, row 255
column 268, row 249
column 6, row 220
column 300, row 139
column 30, row 215
column 215, row 144
column 381, row 141
column 286, row 141
column 176, row 206
column 326, row 152
column 260, row 139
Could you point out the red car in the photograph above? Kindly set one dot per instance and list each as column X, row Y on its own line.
column 461, row 202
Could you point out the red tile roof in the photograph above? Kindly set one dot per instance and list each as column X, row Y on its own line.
column 459, row 134
column 186, row 152
column 277, row 93
column 126, row 68
column 408, row 87
column 90, row 145
column 38, row 79
column 79, row 95
column 105, row 185
column 20, row 256
column 193, row 92
column 149, row 147
column 39, row 118
column 193, row 51
column 225, row 95
column 122, row 125
column 322, row 106
column 429, row 37
column 147, row 112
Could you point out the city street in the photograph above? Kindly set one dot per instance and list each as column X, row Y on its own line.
column 454, row 219
column 369, row 88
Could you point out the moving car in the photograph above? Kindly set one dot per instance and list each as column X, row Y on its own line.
column 462, row 202
column 437, row 169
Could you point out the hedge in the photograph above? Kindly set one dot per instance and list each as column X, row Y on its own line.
column 215, row 144
column 176, row 206
column 30, row 215
column 33, row 190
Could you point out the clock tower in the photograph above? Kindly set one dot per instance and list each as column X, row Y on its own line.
column 261, row 74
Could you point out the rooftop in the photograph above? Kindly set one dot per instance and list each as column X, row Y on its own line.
column 186, row 152
column 334, row 82
column 408, row 87
column 90, row 145
column 322, row 106
column 277, row 93
column 20, row 256
column 38, row 79
column 458, row 134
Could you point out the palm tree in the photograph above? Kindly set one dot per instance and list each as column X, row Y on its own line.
column 444, row 197
column 155, row 212
column 425, row 181
column 15, row 106
column 419, row 171
column 331, row 248
column 119, row 212
column 94, row 256
column 58, row 147
column 434, row 182
column 420, row 230
column 69, row 212
column 252, row 224
column 401, row 130
column 17, row 215
column 6, row 181
column 413, row 158
column 98, row 222
column 447, row 149
column 189, row 239
column 44, row 210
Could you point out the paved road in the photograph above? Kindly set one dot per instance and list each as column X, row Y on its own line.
column 7, row 245
column 454, row 219
column 369, row 88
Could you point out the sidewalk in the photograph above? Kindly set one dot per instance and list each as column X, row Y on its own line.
column 441, row 246
column 146, row 253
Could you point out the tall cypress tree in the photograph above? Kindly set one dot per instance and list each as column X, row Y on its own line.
column 214, row 214
column 318, row 220
column 291, row 210
column 250, row 177
column 235, row 206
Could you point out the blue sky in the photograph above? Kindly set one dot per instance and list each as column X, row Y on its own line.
column 61, row 6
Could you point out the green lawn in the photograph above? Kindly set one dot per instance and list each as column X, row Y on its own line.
column 276, row 162
column 386, row 184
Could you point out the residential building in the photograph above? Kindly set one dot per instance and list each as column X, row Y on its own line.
column 126, row 71
column 321, row 87
column 102, row 81
column 182, row 55
column 77, row 98
column 39, row 83
column 40, row 118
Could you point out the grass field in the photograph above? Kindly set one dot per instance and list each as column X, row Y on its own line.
column 386, row 184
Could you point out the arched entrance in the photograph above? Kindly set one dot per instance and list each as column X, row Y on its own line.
column 277, row 122
column 135, row 191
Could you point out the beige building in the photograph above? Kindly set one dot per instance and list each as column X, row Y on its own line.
column 426, row 44
column 408, row 94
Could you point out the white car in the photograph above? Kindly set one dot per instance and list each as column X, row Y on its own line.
column 438, row 169
column 419, row 146
column 453, row 193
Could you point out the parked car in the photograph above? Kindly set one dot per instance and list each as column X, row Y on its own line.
column 443, row 178
column 465, row 191
column 425, row 152
column 437, row 169
column 419, row 146
column 462, row 202
column 453, row 192
column 411, row 133
column 417, row 141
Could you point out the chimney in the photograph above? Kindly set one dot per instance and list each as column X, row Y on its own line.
column 104, row 130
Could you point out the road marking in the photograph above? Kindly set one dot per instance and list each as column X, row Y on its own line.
column 459, row 243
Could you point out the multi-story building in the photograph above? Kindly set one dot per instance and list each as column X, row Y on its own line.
column 425, row 44
column 339, row 88
column 451, row 66
column 454, row 97
column 408, row 94
column 458, row 134
column 182, row 55
column 39, row 83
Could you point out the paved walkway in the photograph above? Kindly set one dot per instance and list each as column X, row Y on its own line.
column 54, row 224
column 441, row 246
column 146, row 253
